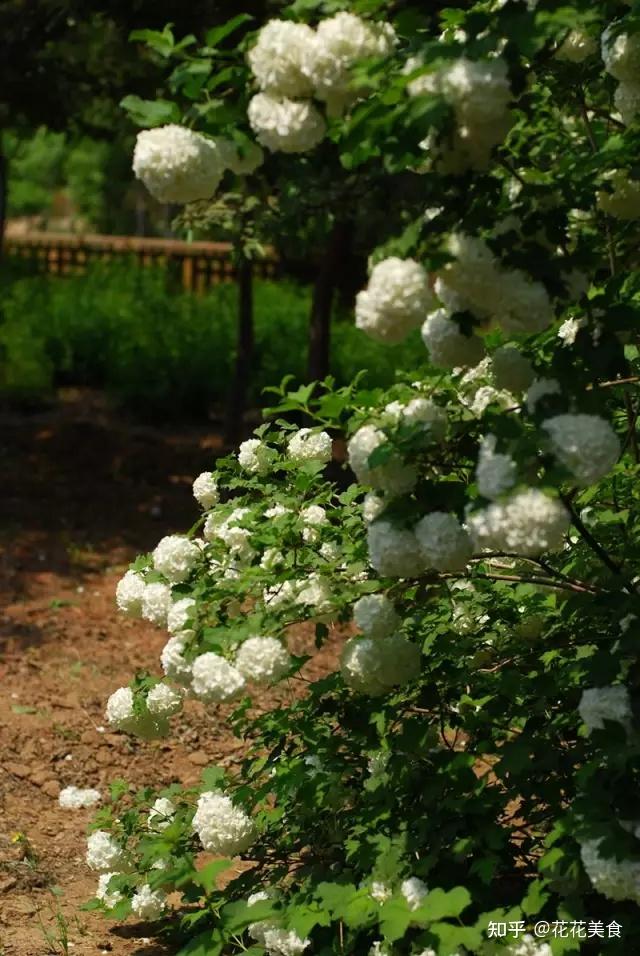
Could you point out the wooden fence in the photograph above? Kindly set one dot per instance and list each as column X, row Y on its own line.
column 199, row 265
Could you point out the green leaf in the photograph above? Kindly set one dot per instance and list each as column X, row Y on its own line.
column 206, row 877
column 440, row 904
column 218, row 34
column 149, row 113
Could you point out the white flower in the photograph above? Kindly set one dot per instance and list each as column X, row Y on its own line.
column 263, row 660
column 172, row 658
column 414, row 891
column 419, row 411
column 374, row 667
column 615, row 879
column 627, row 101
column 179, row 613
column 148, row 904
column 283, row 942
column 372, row 507
column 286, row 126
column 73, row 798
column 600, row 704
column 260, row 897
column 315, row 592
column 393, row 476
column 271, row 559
column 621, row 55
column 540, row 388
column 129, row 592
column 214, row 680
column 205, row 490
column 177, row 165
column 380, row 892
column 448, row 346
column 512, row 371
column 175, row 557
column 623, row 200
column 585, row 444
column 577, row 46
column 313, row 517
column 110, row 898
column 339, row 43
column 222, row 828
column 255, row 457
column 569, row 330
column 528, row 946
column 277, row 511
column 279, row 595
column 485, row 396
column 308, row 445
column 394, row 552
column 156, row 601
column 495, row 472
column 395, row 301
column 527, row 523
column 119, row 712
column 379, row 949
column 279, row 57
column 161, row 814
column 375, row 615
column 104, row 853
column 444, row 543
column 330, row 551
column 163, row 701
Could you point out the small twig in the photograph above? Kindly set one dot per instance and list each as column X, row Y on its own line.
column 584, row 532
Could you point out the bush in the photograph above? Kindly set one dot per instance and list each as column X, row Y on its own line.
column 160, row 352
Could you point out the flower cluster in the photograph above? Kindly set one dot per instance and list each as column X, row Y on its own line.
column 621, row 56
column 527, row 523
column 221, row 827
column 395, row 301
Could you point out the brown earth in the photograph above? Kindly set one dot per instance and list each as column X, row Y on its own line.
column 81, row 493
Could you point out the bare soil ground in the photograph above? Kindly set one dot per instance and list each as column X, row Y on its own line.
column 81, row 493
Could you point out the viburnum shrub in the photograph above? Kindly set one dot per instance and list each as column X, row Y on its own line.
column 467, row 780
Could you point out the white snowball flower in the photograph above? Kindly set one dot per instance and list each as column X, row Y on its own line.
column 576, row 47
column 214, row 680
column 374, row 667
column 179, row 613
column 623, row 200
column 495, row 472
column 540, row 388
column 277, row 510
column 372, row 507
column 414, row 891
column 148, row 904
column 308, row 445
column 394, row 552
column 110, row 898
column 205, row 490
column 129, row 592
column 280, row 595
column 277, row 941
column 615, row 879
column 161, row 814
column 286, row 126
column 395, row 301
column 313, row 517
column 627, row 101
column 527, row 523
column 600, row 704
column 156, row 601
column 172, row 658
column 376, row 616
column 419, row 411
column 444, row 543
column 525, row 305
column 448, row 346
column 393, row 476
column 621, row 55
column 119, row 711
column 330, row 551
column 528, row 946
column 163, row 701
column 339, row 43
column 222, row 828
column 104, row 853
column 279, row 58
column 379, row 949
column 569, row 329
column 177, row 165
column 512, row 371
column 271, row 559
column 74, row 798
column 263, row 660
column 585, row 444
column 380, row 892
column 255, row 457
column 315, row 592
column 175, row 557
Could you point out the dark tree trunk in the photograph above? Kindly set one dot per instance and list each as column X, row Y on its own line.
column 331, row 266
column 237, row 398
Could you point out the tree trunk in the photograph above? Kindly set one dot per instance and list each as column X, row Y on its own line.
column 332, row 264
column 237, row 398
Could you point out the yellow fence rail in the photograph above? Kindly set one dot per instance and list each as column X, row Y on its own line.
column 200, row 265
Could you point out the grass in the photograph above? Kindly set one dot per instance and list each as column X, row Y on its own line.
column 158, row 352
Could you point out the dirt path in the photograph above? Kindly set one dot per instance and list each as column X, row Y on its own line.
column 80, row 495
